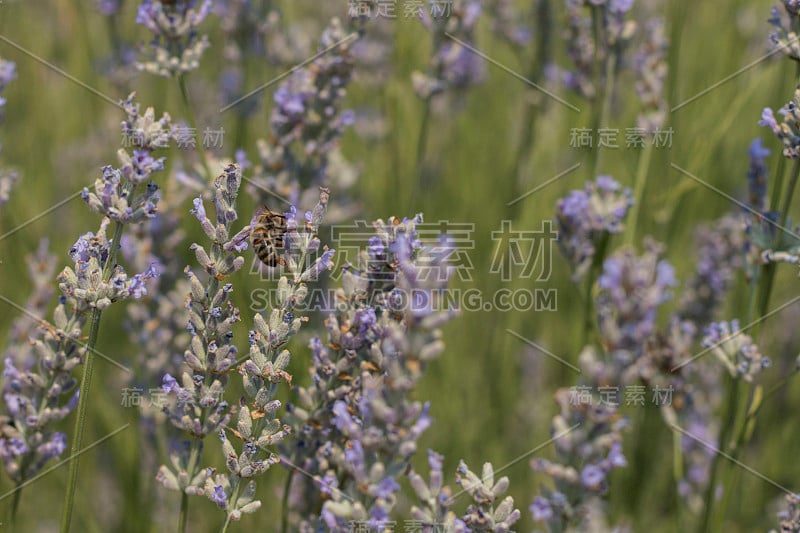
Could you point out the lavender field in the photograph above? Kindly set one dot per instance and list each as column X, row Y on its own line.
column 400, row 266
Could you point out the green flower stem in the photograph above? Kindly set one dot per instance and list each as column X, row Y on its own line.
column 15, row 506
column 639, row 186
column 83, row 396
column 184, row 512
column 677, row 474
column 544, row 16
column 591, row 277
column 605, row 109
column 732, row 422
column 231, row 504
column 768, row 277
column 747, row 413
column 192, row 469
column 285, row 502
column 741, row 414
column 422, row 142
column 730, row 410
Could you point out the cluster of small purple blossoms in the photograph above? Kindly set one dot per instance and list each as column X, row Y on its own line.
column 265, row 369
column 307, row 121
column 785, row 35
column 454, row 65
column 108, row 7
column 765, row 241
column 757, row 174
column 588, row 440
column 632, row 288
column 114, row 193
column 355, row 425
column 720, row 254
column 650, row 64
column 176, row 47
column 589, row 50
column 434, row 498
column 487, row 512
column 735, row 349
column 586, row 217
column 8, row 73
column 195, row 403
column 307, row 105
column 85, row 282
column 789, row 517
column 8, row 177
column 483, row 515
column 505, row 23
column 787, row 131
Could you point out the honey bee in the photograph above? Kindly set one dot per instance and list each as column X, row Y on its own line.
column 267, row 236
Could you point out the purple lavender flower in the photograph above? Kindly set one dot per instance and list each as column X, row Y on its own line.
column 176, row 47
column 505, row 23
column 108, row 7
column 786, row 131
column 356, row 431
column 8, row 177
column 8, row 73
column 113, row 194
column 631, row 291
column 784, row 36
column 736, row 350
column 586, row 217
column 589, row 51
column 454, row 65
column 307, row 103
column 483, row 515
column 541, row 510
column 592, row 476
column 587, row 454
column 720, row 253
column 196, row 405
column 790, row 517
column 307, row 123
column 219, row 497
column 757, row 175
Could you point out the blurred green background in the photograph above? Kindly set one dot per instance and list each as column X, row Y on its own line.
column 491, row 395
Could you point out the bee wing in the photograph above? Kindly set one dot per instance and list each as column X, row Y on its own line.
column 261, row 211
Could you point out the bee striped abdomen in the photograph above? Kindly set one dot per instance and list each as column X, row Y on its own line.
column 267, row 237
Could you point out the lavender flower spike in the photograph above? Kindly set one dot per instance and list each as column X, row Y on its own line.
column 8, row 177
column 787, row 131
column 258, row 429
column 356, row 420
column 735, row 350
column 196, row 404
column 586, row 217
column 785, row 37
column 486, row 514
column 632, row 288
column 454, row 66
column 176, row 48
column 588, row 449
